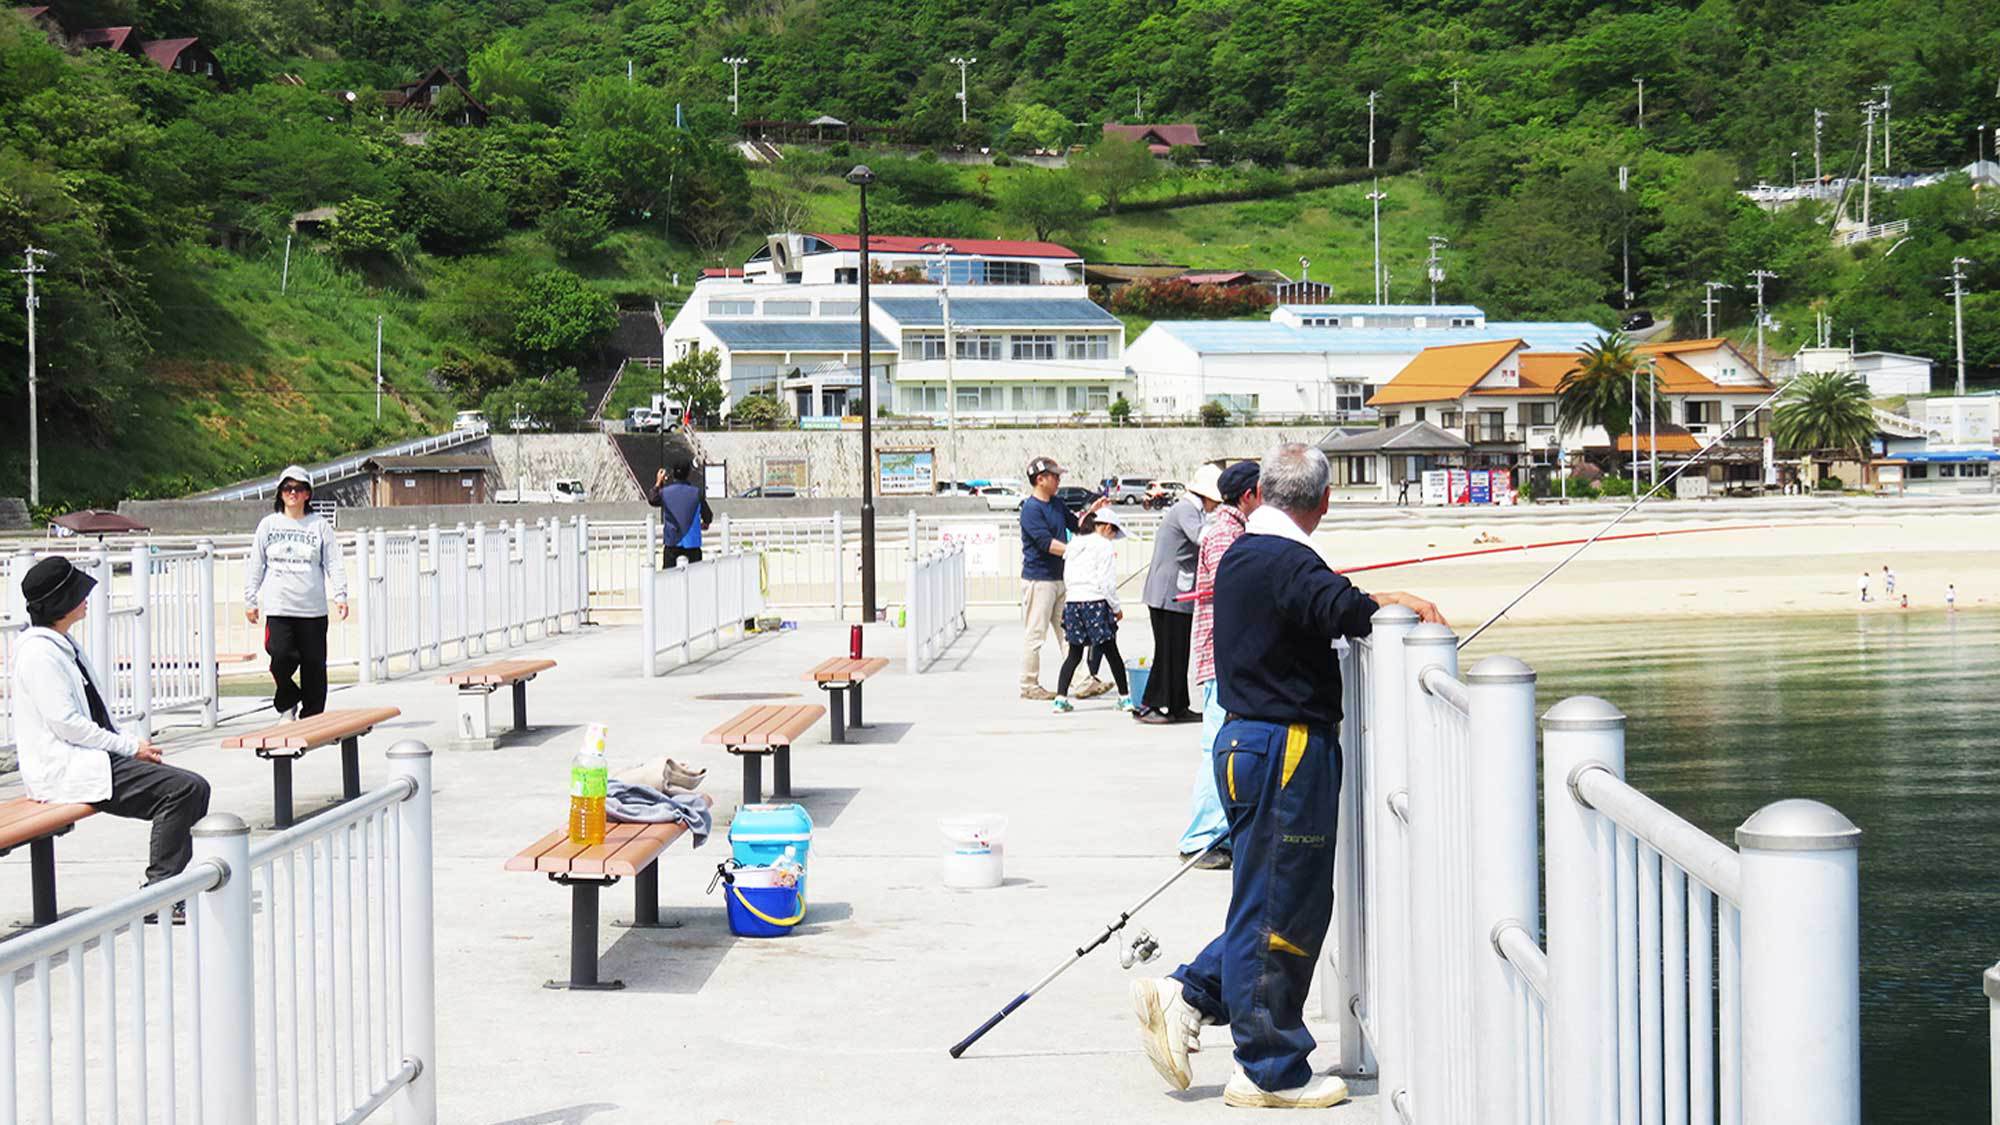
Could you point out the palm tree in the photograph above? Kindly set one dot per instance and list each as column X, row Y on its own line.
column 1599, row 389
column 1825, row 412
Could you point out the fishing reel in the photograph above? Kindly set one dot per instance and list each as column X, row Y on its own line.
column 1144, row 949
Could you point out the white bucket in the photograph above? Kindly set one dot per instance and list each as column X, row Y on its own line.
column 975, row 850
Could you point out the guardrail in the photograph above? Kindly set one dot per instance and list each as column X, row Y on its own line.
column 1681, row 980
column 936, row 611
column 698, row 600
column 350, row 466
column 306, row 975
column 1992, row 983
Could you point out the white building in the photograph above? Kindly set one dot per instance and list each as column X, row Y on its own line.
column 1024, row 336
column 1961, row 421
column 1888, row 374
column 1322, row 360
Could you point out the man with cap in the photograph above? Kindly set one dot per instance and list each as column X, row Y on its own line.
column 1046, row 525
column 1207, row 823
column 1176, row 551
column 70, row 751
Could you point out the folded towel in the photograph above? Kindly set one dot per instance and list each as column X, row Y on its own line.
column 643, row 804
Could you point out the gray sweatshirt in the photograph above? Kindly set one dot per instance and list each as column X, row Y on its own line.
column 294, row 564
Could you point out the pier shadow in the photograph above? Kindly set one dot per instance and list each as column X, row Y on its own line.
column 535, row 737
column 878, row 734
column 964, row 648
column 676, row 961
column 825, row 804
column 705, row 657
column 568, row 1115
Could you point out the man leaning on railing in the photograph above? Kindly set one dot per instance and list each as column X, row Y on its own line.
column 1278, row 609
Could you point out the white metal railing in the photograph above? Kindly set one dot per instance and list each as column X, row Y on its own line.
column 936, row 610
column 302, row 989
column 350, row 466
column 1992, row 984
column 698, row 600
column 1681, row 980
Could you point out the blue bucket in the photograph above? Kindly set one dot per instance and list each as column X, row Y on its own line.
column 763, row 911
column 1136, row 677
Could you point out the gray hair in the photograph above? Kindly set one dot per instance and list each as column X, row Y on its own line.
column 1294, row 477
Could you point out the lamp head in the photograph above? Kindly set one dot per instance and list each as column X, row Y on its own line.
column 861, row 175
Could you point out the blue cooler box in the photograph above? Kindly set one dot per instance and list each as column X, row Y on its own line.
column 759, row 835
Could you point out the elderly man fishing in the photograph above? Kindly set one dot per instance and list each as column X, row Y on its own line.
column 1278, row 609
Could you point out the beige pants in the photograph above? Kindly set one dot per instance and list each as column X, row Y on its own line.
column 1041, row 614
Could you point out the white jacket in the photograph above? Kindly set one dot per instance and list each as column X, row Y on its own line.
column 65, row 756
column 1090, row 570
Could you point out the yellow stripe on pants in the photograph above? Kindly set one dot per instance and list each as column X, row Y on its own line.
column 1295, row 751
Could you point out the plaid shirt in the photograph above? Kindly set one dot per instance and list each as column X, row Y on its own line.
column 1223, row 531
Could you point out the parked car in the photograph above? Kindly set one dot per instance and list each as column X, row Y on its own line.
column 568, row 491
column 469, row 420
column 1638, row 319
column 770, row 492
column 955, row 488
column 1074, row 498
column 1001, row 498
column 642, row 419
column 1129, row 490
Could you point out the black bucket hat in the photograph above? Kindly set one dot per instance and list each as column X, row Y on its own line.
column 53, row 587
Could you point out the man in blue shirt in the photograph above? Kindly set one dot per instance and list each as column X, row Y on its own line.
column 1278, row 610
column 1046, row 525
column 684, row 514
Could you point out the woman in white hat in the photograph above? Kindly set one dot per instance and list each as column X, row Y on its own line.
column 294, row 565
column 1092, row 612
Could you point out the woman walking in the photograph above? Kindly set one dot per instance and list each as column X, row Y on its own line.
column 1092, row 613
column 294, row 565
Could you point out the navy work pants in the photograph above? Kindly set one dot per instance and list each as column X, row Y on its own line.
column 1280, row 786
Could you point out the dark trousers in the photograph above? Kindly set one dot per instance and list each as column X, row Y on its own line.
column 297, row 645
column 169, row 796
column 1280, row 786
column 1167, row 684
column 671, row 556
column 1106, row 651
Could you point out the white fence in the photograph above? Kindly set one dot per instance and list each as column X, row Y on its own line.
column 936, row 613
column 302, row 989
column 1992, row 983
column 1681, row 981
column 693, row 601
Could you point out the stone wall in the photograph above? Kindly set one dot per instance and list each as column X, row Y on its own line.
column 589, row 457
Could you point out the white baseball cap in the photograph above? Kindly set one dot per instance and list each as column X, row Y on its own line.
column 1207, row 483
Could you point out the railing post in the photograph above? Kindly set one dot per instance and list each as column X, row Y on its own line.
column 1387, row 771
column 434, row 604
column 1432, row 945
column 913, row 645
column 686, row 580
column 1505, row 881
column 364, row 608
column 582, row 607
column 1578, row 733
column 722, row 532
column 416, row 1103
column 839, row 569
column 211, row 690
column 1992, row 982
column 517, row 597
column 475, row 610
column 1801, row 965
column 99, row 621
column 142, row 639
column 916, row 552
column 227, row 997
column 649, row 611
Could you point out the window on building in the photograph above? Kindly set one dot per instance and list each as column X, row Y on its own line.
column 1703, row 412
column 839, row 308
column 1451, row 419
column 1391, row 419
column 1490, row 425
column 1320, row 321
column 923, row 345
column 1033, row 347
column 718, row 306
column 1420, row 413
column 1975, row 469
column 1036, row 400
column 1947, row 470
column 1010, row 273
column 1751, row 429
column 1918, row 471
column 1088, row 398
column 1361, row 470
column 1464, row 322
column 1097, row 345
column 980, row 399
column 923, row 400
column 1349, row 398
column 1541, row 413
column 847, row 275
column 1236, row 404
column 978, row 345
column 978, row 271
column 788, row 308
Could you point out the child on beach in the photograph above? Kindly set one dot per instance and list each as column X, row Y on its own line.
column 1888, row 580
column 1091, row 613
column 1862, row 585
column 1950, row 598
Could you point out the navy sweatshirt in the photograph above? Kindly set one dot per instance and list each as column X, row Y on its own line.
column 1278, row 608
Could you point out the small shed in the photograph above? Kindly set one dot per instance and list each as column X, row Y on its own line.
column 402, row 482
column 1390, row 461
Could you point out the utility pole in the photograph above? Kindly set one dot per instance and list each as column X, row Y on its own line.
column 1867, row 165
column 285, row 276
column 1642, row 103
column 735, row 83
column 1795, row 170
column 961, row 64
column 1434, row 265
column 1819, row 124
column 1376, row 197
column 1708, row 305
column 950, row 380
column 1761, row 276
column 1885, row 125
column 28, row 270
column 378, row 367
column 1625, row 231
column 1372, row 95
column 1652, row 421
column 1454, row 95
column 1958, row 313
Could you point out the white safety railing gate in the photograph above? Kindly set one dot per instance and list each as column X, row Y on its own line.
column 302, row 989
column 936, row 611
column 1682, row 981
column 693, row 601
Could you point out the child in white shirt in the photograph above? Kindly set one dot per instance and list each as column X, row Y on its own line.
column 1092, row 612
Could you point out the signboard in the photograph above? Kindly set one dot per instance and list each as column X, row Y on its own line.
column 1436, row 487
column 1461, row 486
column 785, row 472
column 982, row 541
column 715, row 480
column 906, row 472
column 819, row 422
column 1482, row 488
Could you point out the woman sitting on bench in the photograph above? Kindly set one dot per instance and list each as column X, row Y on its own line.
column 69, row 749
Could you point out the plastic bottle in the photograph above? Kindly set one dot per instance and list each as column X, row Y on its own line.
column 786, row 869
column 588, row 772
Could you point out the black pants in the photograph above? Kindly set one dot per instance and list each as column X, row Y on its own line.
column 671, row 556
column 1106, row 651
column 297, row 645
column 1166, row 685
column 169, row 796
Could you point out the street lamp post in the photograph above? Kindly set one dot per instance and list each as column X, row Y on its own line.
column 961, row 64
column 950, row 379
column 735, row 83
column 860, row 176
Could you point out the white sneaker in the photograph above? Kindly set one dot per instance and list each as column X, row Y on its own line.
column 1169, row 1028
column 1324, row 1090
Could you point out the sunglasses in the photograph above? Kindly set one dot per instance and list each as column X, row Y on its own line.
column 296, row 488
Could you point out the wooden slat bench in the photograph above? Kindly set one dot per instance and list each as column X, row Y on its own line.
column 628, row 849
column 843, row 676
column 25, row 820
column 286, row 741
column 475, row 693
column 757, row 731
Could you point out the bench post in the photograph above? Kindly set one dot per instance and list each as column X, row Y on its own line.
column 781, row 771
column 854, row 705
column 475, row 717
column 837, row 712
column 646, row 897
column 583, row 940
column 350, row 766
column 753, row 778
column 42, row 873
column 520, row 705
column 281, row 791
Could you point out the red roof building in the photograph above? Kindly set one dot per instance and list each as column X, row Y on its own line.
column 422, row 95
column 1158, row 139
column 903, row 244
column 182, row 56
column 110, row 38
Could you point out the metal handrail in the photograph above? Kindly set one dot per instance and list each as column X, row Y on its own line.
column 19, row 953
column 1512, row 942
column 333, row 820
column 347, row 466
column 1713, row 864
column 1446, row 688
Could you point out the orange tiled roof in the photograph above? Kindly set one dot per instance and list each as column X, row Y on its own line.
column 1541, row 373
column 1443, row 373
column 1672, row 439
